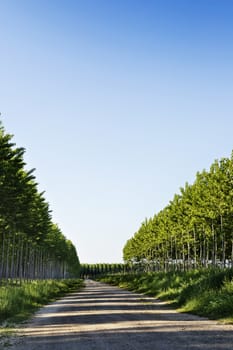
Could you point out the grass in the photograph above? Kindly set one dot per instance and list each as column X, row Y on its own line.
column 18, row 302
column 206, row 293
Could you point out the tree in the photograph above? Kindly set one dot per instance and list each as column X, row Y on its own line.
column 31, row 246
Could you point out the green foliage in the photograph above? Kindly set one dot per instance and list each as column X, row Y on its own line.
column 99, row 270
column 17, row 302
column 195, row 230
column 207, row 292
column 31, row 246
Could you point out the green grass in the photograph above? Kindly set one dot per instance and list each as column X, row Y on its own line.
column 18, row 302
column 203, row 292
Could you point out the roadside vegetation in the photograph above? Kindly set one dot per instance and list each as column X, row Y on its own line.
column 184, row 253
column 195, row 229
column 37, row 262
column 31, row 245
column 206, row 292
column 19, row 301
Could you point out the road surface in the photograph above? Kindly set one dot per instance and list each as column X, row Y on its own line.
column 102, row 317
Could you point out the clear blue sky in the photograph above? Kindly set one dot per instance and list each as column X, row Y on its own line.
column 118, row 103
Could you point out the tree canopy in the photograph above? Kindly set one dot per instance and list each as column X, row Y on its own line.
column 194, row 230
column 31, row 245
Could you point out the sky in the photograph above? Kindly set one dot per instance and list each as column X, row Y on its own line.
column 118, row 103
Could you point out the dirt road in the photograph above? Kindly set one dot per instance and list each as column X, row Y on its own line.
column 102, row 317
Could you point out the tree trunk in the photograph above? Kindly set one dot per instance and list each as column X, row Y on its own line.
column 194, row 248
column 213, row 245
column 223, row 242
column 12, row 258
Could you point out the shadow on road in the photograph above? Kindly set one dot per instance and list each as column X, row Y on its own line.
column 104, row 317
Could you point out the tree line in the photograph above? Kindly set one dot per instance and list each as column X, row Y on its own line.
column 102, row 269
column 31, row 245
column 194, row 230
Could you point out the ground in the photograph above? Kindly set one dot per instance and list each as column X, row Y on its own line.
column 102, row 317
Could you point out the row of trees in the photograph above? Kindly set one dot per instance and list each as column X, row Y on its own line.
column 194, row 230
column 98, row 270
column 31, row 245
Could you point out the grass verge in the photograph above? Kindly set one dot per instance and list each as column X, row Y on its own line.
column 206, row 293
column 18, row 302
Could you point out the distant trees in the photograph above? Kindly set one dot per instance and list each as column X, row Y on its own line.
column 194, row 230
column 31, row 246
column 98, row 270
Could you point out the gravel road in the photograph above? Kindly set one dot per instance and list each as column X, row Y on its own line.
column 102, row 317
